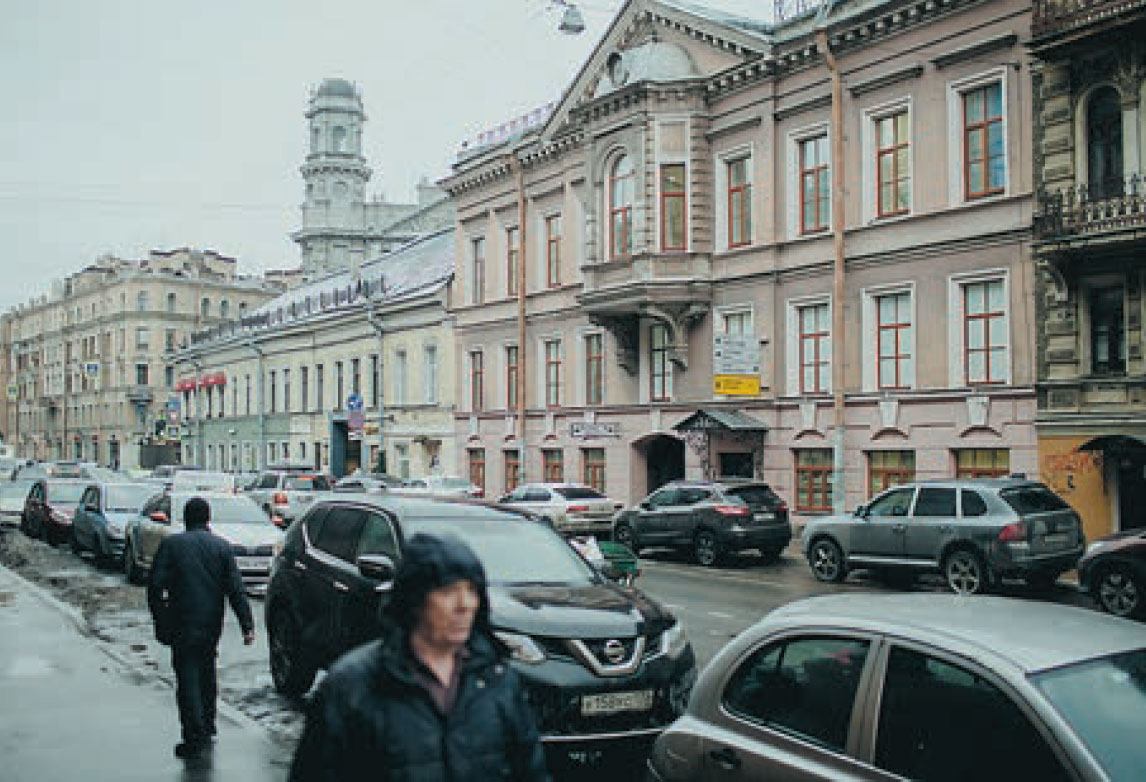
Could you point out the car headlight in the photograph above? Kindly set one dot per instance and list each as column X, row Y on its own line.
column 522, row 647
column 115, row 528
column 675, row 640
column 1095, row 546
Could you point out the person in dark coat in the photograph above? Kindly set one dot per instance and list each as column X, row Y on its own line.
column 192, row 573
column 434, row 699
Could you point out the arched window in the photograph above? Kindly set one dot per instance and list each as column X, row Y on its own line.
column 338, row 138
column 621, row 208
column 141, row 301
column 1104, row 144
column 171, row 302
column 205, row 307
column 224, row 308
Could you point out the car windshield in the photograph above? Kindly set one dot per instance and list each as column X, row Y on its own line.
column 229, row 510
column 1104, row 700
column 514, row 552
column 128, row 498
column 307, row 482
column 579, row 493
column 1033, row 499
column 753, row 495
column 65, row 493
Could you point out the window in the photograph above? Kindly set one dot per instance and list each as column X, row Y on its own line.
column 982, row 463
column 552, row 372
column 984, row 332
column 205, row 307
column 511, row 377
column 593, row 468
column 594, row 369
column 304, row 381
column 893, row 164
column 923, row 696
column 141, row 374
column 142, row 338
column 889, row 468
column 815, row 190
column 477, row 381
column 274, row 391
column 141, row 302
column 895, row 340
column 339, row 386
column 169, row 377
column 621, row 190
column 512, row 259
column 1107, row 334
column 896, row 502
column 659, row 374
column 377, row 537
column 171, row 302
column 814, row 479
column 402, row 453
column 319, row 391
column 738, row 324
column 935, row 501
column 673, row 207
column 400, row 377
column 375, row 381
column 338, row 535
column 235, row 398
column 477, row 467
column 553, row 251
column 430, row 374
column 512, row 469
column 984, row 153
column 815, row 348
column 971, row 503
column 286, row 390
column 477, row 272
column 739, row 203
column 248, row 377
column 804, row 686
column 1104, row 144
column 224, row 308
column 553, row 465
column 169, row 339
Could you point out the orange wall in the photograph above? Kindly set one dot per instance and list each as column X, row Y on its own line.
column 1076, row 476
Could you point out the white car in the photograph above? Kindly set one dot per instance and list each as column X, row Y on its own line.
column 571, row 508
column 441, row 485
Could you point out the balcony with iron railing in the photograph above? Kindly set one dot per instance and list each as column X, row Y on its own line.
column 1058, row 16
column 1092, row 210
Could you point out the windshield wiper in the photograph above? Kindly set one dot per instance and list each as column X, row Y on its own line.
column 537, row 583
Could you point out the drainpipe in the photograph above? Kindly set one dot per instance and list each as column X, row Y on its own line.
column 261, row 456
column 521, row 351
column 376, row 324
column 838, row 268
column 200, row 447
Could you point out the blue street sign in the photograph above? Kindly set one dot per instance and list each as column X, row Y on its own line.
column 354, row 402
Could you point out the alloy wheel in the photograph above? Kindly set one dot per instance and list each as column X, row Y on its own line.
column 705, row 548
column 1118, row 593
column 965, row 573
column 826, row 560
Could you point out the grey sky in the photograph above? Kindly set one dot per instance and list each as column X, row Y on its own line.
column 138, row 124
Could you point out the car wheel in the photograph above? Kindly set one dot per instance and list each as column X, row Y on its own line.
column 623, row 534
column 827, row 561
column 290, row 674
column 705, row 548
column 965, row 572
column 130, row 569
column 1118, row 591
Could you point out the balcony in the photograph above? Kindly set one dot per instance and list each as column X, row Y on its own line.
column 1092, row 214
column 1051, row 17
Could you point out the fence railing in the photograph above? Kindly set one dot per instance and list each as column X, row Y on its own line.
column 1082, row 209
column 1051, row 16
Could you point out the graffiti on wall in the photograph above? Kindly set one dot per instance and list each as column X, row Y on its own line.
column 1062, row 470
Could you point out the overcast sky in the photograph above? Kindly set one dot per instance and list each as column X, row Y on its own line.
column 130, row 125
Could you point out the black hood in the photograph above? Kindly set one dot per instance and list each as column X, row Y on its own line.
column 592, row 611
column 430, row 562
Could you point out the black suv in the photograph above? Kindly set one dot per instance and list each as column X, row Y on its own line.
column 604, row 667
column 710, row 517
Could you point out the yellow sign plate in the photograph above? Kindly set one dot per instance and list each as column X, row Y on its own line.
column 735, row 384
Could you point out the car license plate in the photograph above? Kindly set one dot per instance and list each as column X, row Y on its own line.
column 1056, row 539
column 765, row 517
column 615, row 702
column 254, row 563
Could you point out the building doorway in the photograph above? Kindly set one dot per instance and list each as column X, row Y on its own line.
column 736, row 464
column 1131, row 472
column 664, row 460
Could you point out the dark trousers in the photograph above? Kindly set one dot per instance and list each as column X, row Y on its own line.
column 195, row 690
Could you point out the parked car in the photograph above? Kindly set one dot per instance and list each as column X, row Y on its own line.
column 287, row 491
column 101, row 518
column 712, row 518
column 972, row 531
column 362, row 481
column 202, row 480
column 49, row 507
column 917, row 686
column 13, row 496
column 570, row 508
column 235, row 517
column 441, row 485
column 1113, row 571
column 603, row 666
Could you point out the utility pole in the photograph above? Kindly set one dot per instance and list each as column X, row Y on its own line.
column 260, row 457
column 376, row 324
column 521, row 351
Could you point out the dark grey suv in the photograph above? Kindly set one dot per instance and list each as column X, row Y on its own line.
column 971, row 531
column 712, row 518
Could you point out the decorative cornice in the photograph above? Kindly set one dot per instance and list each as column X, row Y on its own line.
column 733, row 127
column 819, row 102
column 886, row 80
column 974, row 50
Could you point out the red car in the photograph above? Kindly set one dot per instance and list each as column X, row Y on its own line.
column 1113, row 571
column 49, row 508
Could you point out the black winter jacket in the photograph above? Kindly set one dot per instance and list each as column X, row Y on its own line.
column 370, row 720
column 192, row 573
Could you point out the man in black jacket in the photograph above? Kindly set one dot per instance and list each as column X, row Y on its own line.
column 192, row 573
column 435, row 698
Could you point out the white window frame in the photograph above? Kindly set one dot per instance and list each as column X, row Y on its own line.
column 646, row 365
column 582, row 359
column 683, row 159
column 956, row 362
column 792, row 196
column 611, row 158
column 503, row 370
column 401, row 375
column 471, row 274
column 870, row 173
column 721, row 161
column 541, row 371
column 720, row 327
column 955, row 158
column 431, row 373
column 792, row 340
column 869, row 343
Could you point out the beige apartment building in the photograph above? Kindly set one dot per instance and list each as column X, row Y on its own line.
column 85, row 373
column 672, row 220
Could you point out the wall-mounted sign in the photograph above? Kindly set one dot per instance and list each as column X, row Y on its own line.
column 587, row 431
column 92, row 369
column 731, row 385
column 735, row 364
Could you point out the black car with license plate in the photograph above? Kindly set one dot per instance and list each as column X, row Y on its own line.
column 604, row 667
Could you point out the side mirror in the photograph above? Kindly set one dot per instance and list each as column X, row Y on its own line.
column 861, row 512
column 503, row 498
column 645, row 506
column 159, row 517
column 378, row 567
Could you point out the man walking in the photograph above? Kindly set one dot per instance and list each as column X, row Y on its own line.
column 434, row 699
column 192, row 573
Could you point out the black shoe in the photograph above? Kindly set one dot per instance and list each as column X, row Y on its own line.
column 190, row 749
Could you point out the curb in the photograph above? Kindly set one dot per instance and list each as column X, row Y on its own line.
column 76, row 618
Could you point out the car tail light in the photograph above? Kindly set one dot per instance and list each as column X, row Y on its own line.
column 479, row 492
column 577, row 508
column 733, row 510
column 782, row 507
column 1013, row 533
column 279, row 498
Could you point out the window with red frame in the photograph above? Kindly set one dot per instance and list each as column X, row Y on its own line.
column 815, row 348
column 553, row 251
column 889, row 468
column 593, row 464
column 477, row 283
column 477, row 381
column 893, row 164
column 552, row 372
column 739, row 204
column 659, row 377
column 814, row 479
column 553, row 465
column 982, row 463
column 511, row 370
column 512, row 469
column 512, row 259
column 621, row 190
column 673, row 207
column 984, row 149
column 477, row 467
column 815, row 190
column 895, row 338
column 984, row 332
column 594, row 369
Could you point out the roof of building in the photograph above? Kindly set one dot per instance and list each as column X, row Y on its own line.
column 338, row 88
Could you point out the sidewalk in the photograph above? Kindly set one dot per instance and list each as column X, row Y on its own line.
column 70, row 709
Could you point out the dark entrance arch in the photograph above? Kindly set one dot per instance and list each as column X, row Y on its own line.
column 664, row 460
